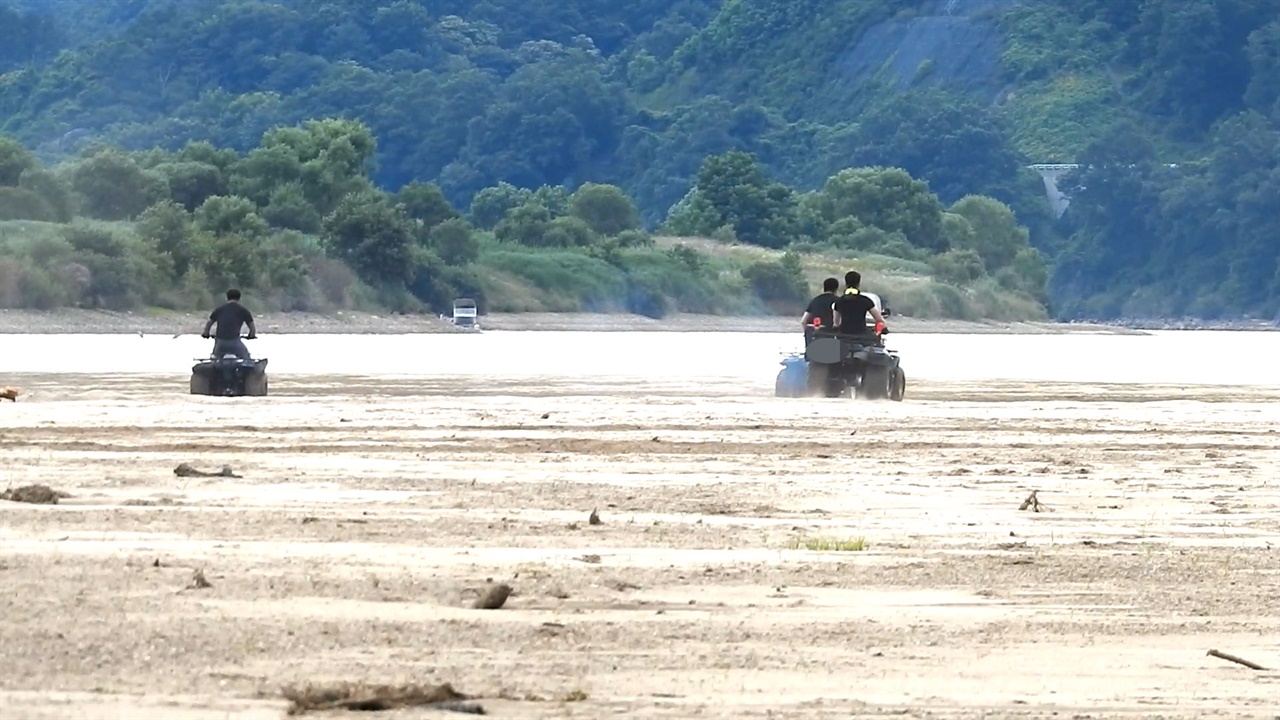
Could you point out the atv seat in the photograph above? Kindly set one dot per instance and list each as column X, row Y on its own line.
column 831, row 348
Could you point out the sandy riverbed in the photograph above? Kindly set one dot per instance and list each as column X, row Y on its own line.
column 371, row 512
column 103, row 322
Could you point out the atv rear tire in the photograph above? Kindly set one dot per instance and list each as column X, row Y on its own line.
column 816, row 382
column 821, row 384
column 256, row 385
column 899, row 388
column 200, row 385
column 877, row 383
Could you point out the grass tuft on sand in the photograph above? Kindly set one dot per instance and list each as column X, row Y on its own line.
column 857, row 544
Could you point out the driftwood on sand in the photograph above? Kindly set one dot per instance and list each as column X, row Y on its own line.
column 34, row 494
column 359, row 696
column 186, row 470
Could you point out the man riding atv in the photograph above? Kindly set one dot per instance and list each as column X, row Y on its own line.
column 230, row 317
column 850, row 358
column 851, row 309
column 818, row 314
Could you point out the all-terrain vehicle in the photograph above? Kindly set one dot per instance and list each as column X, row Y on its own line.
column 836, row 365
column 229, row 376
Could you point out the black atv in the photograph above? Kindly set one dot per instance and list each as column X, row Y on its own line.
column 229, row 376
column 853, row 366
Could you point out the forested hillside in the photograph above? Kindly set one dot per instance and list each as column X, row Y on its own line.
column 1171, row 107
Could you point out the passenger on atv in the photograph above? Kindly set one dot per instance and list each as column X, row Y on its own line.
column 851, row 309
column 229, row 318
column 818, row 314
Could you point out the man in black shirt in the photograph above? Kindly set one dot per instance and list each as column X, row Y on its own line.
column 851, row 308
column 230, row 317
column 820, row 310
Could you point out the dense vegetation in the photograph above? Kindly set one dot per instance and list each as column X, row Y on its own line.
column 298, row 223
column 506, row 109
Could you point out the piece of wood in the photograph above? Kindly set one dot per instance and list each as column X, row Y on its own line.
column 186, row 470
column 1234, row 659
column 1032, row 501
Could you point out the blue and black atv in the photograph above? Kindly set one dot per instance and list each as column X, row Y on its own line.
column 836, row 365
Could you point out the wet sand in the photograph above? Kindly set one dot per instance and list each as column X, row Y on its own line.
column 372, row 511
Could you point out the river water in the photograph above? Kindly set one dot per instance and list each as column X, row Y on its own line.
column 1174, row 358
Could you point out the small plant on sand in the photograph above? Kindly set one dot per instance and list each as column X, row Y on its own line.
column 857, row 544
column 577, row 695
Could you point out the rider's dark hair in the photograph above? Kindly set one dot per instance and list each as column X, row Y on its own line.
column 852, row 279
column 233, row 294
column 830, row 285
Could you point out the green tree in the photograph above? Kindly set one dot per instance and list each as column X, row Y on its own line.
column 996, row 235
column 288, row 207
column 114, row 271
column 426, row 203
column 525, row 225
column 888, row 199
column 115, row 187
column 222, row 215
column 331, row 158
column 952, row 142
column 191, row 183
column 227, row 260
column 959, row 266
column 605, row 208
column 454, row 241
column 52, row 190
column 374, row 237
column 491, row 205
column 22, row 204
column 956, row 231
column 737, row 193
column 777, row 282
column 552, row 197
column 1028, row 273
column 14, row 160
column 171, row 230
column 568, row 231
column 1263, row 94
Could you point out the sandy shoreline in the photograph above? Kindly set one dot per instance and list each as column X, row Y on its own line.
column 67, row 321
column 741, row 570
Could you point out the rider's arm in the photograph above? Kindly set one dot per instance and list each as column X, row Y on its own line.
column 253, row 331
column 207, row 327
column 875, row 313
column 806, row 318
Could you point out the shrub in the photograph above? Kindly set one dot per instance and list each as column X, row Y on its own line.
column 958, row 267
column 777, row 282
column 18, row 203
column 576, row 279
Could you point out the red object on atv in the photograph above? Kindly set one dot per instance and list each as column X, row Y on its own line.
column 879, row 328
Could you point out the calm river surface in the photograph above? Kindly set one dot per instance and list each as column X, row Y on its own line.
column 1177, row 357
